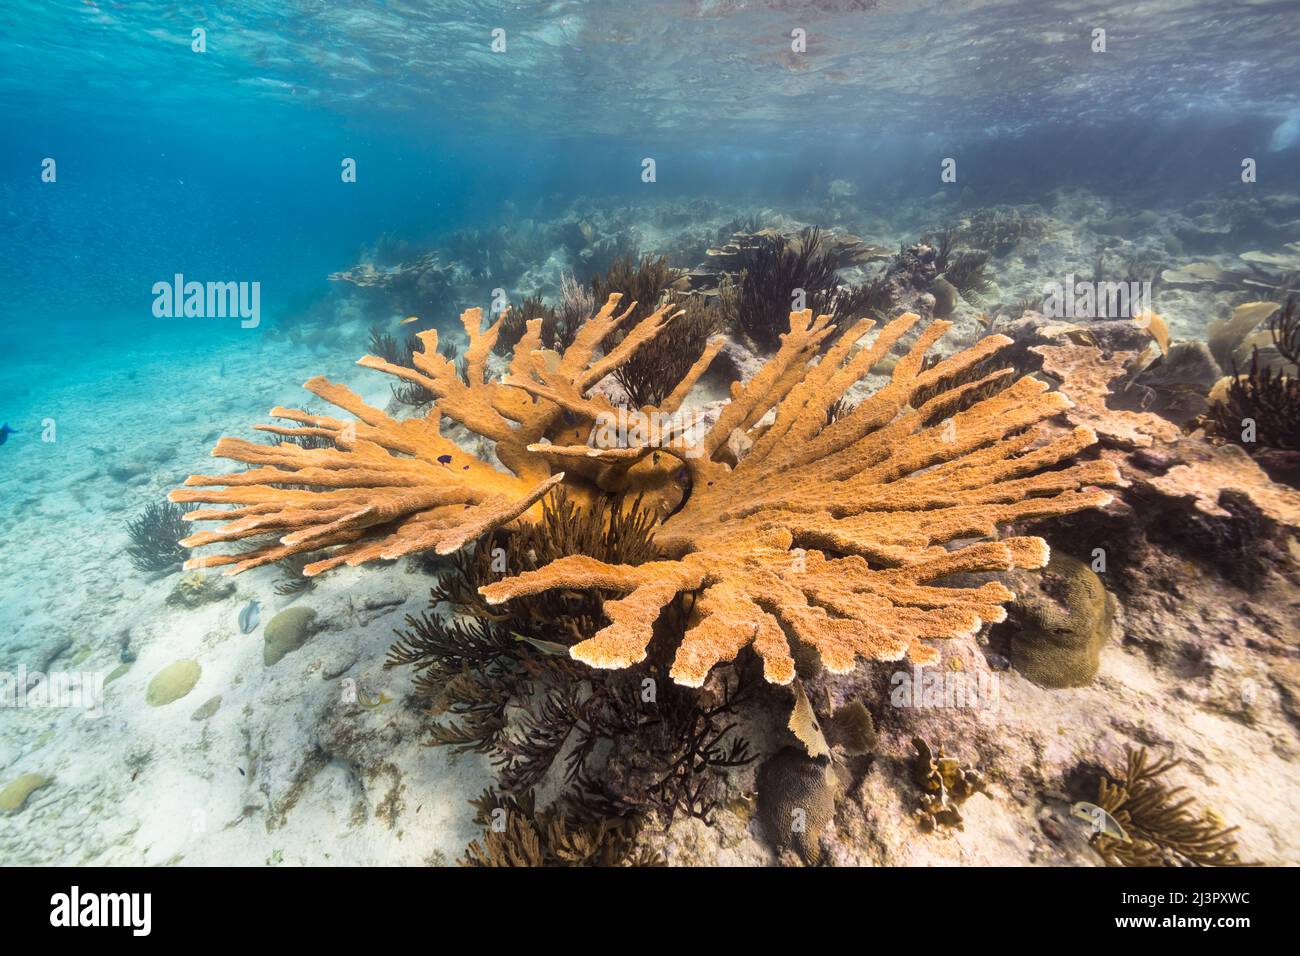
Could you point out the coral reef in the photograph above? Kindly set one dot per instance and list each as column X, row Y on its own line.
column 746, row 535
column 796, row 801
column 154, row 535
column 652, row 373
column 774, row 268
column 999, row 230
column 406, row 392
column 518, row 834
column 514, row 324
column 835, row 532
column 1261, row 407
column 632, row 742
column 1162, row 829
column 945, row 785
column 196, row 588
column 1085, row 373
column 852, row 729
column 1212, row 476
column 172, row 683
column 1228, row 338
column 13, row 797
column 1058, row 636
column 577, row 303
column 1175, row 386
column 435, row 496
column 286, row 632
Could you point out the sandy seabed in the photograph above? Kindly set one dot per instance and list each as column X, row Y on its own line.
column 282, row 764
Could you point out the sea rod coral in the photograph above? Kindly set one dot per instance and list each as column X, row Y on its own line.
column 784, row 524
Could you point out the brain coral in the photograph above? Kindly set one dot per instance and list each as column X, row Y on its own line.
column 786, row 524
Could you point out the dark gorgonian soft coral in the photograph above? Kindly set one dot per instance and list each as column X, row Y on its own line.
column 653, row 371
column 1161, row 827
column 500, row 681
column 775, row 268
column 154, row 533
column 1264, row 397
column 786, row 527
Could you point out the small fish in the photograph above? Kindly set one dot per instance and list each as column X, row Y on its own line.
column 409, row 319
column 445, row 459
column 1102, row 822
column 369, row 704
column 241, row 771
column 5, row 432
column 554, row 648
column 249, row 616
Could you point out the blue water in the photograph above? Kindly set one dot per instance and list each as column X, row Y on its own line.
column 227, row 162
column 226, row 165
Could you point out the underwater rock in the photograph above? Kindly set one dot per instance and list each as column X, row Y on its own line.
column 127, row 471
column 38, row 644
column 1126, row 226
column 796, row 800
column 14, row 796
column 1086, row 373
column 172, row 683
column 1176, row 386
column 197, row 588
column 287, row 631
column 1063, row 628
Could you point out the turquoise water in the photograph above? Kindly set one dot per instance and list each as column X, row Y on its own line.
column 229, row 160
column 129, row 156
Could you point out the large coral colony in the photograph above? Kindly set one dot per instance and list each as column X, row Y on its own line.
column 832, row 531
column 596, row 596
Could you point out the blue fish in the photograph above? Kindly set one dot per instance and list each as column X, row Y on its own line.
column 249, row 616
column 5, row 432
